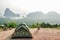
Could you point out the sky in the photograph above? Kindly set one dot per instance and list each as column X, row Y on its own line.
column 24, row 7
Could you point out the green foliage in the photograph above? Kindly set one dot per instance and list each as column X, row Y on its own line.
column 45, row 25
column 12, row 25
column 35, row 25
column 8, row 25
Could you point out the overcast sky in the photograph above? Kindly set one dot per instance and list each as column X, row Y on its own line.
column 26, row 6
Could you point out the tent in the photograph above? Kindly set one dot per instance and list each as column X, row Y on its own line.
column 22, row 31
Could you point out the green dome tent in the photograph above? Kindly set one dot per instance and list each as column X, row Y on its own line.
column 22, row 31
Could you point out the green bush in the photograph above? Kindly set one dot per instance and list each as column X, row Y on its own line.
column 35, row 25
column 12, row 24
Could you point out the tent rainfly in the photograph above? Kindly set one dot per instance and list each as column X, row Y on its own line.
column 22, row 31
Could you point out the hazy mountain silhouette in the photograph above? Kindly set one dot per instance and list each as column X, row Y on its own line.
column 9, row 14
column 35, row 15
column 50, row 17
column 53, row 14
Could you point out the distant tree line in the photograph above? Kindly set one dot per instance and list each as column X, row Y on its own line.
column 45, row 25
column 34, row 25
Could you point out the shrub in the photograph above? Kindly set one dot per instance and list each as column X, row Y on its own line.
column 33, row 26
column 12, row 25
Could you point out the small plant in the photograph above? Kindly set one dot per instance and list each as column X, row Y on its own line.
column 4, row 27
column 12, row 25
column 33, row 26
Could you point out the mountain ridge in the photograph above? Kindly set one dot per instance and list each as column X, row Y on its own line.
column 9, row 14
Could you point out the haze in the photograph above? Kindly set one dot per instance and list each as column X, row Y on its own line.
column 26, row 6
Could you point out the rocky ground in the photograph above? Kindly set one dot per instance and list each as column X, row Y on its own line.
column 42, row 34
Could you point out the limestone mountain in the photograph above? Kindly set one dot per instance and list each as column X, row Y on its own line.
column 9, row 14
column 35, row 15
column 50, row 17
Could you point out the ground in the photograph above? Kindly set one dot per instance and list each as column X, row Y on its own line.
column 42, row 34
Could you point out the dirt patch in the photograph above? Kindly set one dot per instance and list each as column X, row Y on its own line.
column 46, row 34
column 0, row 30
column 42, row 34
column 6, row 34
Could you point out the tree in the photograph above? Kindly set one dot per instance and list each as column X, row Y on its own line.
column 12, row 24
column 43, row 25
column 33, row 25
column 55, row 25
column 48, row 25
